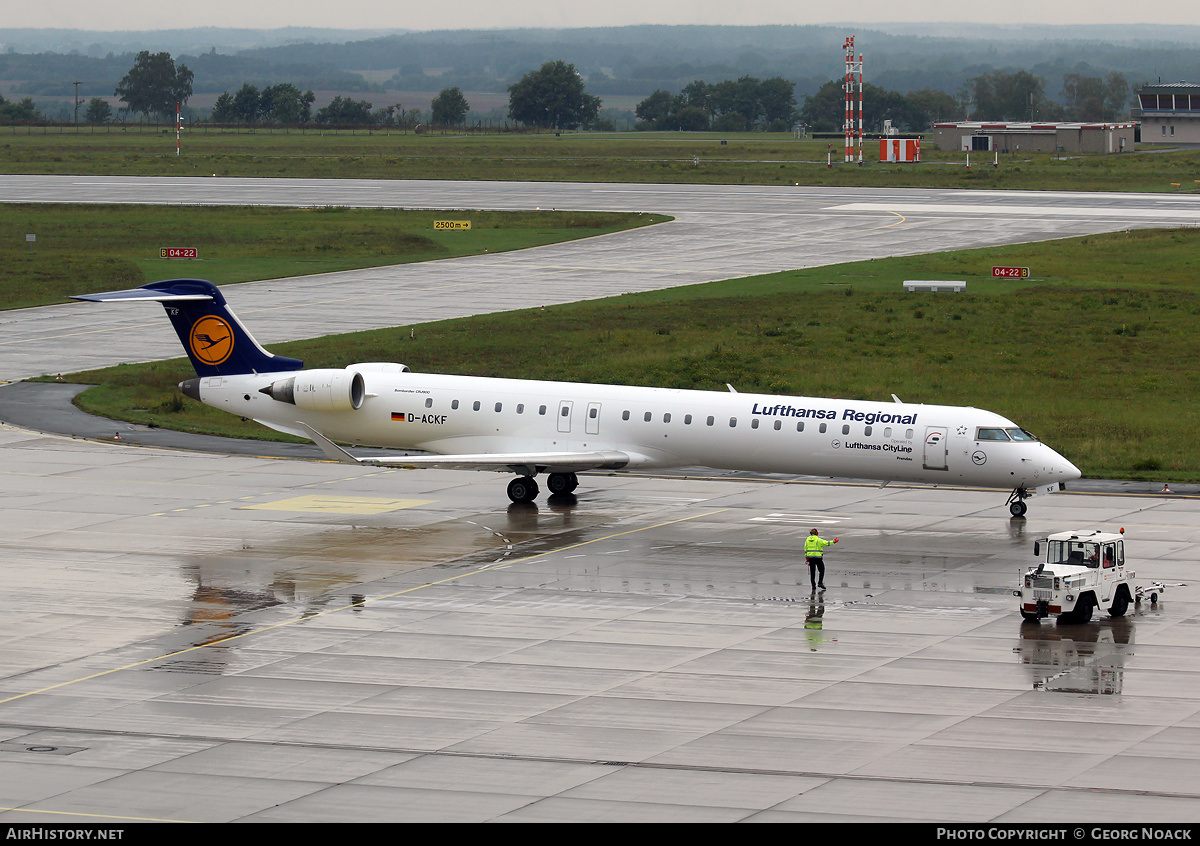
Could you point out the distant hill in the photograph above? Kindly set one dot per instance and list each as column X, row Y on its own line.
column 625, row 62
column 174, row 41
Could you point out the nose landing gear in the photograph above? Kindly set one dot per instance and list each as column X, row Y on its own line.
column 1016, row 502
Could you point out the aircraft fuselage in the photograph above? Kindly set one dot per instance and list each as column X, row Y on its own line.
column 661, row 428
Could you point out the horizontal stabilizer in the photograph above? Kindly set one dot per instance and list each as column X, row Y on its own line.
column 141, row 294
column 525, row 463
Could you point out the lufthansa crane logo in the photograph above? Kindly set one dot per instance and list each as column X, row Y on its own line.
column 211, row 340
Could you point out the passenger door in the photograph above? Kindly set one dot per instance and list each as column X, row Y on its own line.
column 936, row 446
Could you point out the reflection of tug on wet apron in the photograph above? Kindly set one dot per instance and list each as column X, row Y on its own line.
column 1081, row 571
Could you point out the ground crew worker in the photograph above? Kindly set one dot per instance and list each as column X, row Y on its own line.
column 814, row 554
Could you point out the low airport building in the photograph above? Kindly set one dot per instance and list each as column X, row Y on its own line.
column 1007, row 137
column 1169, row 113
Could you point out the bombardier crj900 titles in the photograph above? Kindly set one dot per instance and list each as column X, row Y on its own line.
column 561, row 428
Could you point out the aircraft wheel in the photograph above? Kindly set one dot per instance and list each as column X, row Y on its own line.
column 522, row 489
column 1017, row 508
column 562, row 483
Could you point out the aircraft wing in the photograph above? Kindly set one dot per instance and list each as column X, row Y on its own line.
column 526, row 463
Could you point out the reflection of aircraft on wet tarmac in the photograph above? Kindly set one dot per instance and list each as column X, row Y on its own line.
column 560, row 428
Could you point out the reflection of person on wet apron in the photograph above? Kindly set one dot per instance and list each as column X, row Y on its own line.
column 813, row 623
column 814, row 554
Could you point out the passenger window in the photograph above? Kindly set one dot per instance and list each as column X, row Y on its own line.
column 824, row 428
column 711, row 420
column 867, row 431
column 566, row 411
column 846, row 429
column 624, row 415
column 909, row 434
column 454, row 404
column 667, row 417
column 778, row 425
column 475, row 405
column 593, row 413
column 498, row 406
column 732, row 422
column 429, row 402
column 647, row 417
column 754, row 423
column 687, row 420
column 542, row 410
column 800, row 426
column 520, row 408
column 887, row 433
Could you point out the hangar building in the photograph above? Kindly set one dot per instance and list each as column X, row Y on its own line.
column 1036, row 137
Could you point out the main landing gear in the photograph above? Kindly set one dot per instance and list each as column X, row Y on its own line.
column 525, row 489
column 1016, row 502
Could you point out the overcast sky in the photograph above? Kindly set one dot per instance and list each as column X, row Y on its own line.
column 479, row 14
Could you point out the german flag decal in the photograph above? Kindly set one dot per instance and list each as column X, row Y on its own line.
column 399, row 417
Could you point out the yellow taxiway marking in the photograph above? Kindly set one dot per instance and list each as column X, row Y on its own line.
column 92, row 817
column 325, row 504
column 353, row 605
column 896, row 223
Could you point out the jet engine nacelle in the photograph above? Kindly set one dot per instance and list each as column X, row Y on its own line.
column 320, row 390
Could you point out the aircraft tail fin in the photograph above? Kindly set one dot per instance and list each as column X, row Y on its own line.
column 215, row 340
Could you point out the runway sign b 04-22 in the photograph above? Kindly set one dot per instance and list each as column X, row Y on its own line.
column 1010, row 272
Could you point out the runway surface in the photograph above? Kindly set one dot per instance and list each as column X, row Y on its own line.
column 192, row 636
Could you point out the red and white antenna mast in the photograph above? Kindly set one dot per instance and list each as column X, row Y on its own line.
column 852, row 132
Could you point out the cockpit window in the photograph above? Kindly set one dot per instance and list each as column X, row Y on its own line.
column 982, row 434
column 1020, row 434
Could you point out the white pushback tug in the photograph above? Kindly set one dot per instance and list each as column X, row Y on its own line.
column 1079, row 572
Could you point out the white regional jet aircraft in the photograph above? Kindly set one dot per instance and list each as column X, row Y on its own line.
column 560, row 428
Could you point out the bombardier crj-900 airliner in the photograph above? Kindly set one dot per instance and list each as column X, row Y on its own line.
column 561, row 428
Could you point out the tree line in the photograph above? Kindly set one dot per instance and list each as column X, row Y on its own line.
column 554, row 97
column 749, row 103
column 726, row 106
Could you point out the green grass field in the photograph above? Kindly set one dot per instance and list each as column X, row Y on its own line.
column 1099, row 363
column 83, row 249
column 747, row 158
